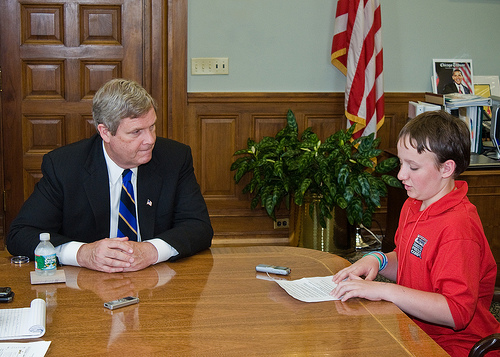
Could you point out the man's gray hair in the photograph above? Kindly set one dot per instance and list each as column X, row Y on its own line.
column 118, row 99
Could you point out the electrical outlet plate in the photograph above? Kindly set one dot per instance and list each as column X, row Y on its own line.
column 209, row 65
column 281, row 223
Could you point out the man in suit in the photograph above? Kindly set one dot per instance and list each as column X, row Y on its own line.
column 78, row 198
column 456, row 86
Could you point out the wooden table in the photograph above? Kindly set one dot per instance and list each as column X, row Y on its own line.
column 213, row 304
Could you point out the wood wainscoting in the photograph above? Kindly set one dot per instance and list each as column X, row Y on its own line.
column 218, row 124
column 215, row 125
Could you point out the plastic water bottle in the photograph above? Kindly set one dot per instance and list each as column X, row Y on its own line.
column 45, row 256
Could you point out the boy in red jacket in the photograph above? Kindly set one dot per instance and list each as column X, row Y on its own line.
column 443, row 266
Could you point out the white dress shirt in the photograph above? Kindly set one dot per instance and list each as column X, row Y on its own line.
column 67, row 252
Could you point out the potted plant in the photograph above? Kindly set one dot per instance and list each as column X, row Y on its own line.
column 339, row 172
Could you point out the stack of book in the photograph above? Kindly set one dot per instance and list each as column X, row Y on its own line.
column 458, row 100
column 469, row 108
column 473, row 117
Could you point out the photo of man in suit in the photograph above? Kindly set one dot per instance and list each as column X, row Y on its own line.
column 457, row 86
column 78, row 198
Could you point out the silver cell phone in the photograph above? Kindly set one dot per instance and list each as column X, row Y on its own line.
column 272, row 269
column 126, row 301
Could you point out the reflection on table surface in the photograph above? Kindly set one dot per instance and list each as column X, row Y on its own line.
column 214, row 303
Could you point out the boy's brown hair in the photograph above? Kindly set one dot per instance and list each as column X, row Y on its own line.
column 441, row 133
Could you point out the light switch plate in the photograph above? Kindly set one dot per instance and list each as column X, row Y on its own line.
column 209, row 65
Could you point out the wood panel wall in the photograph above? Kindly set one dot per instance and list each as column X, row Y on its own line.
column 215, row 125
column 218, row 124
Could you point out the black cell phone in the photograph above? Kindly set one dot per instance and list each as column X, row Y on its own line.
column 7, row 298
column 4, row 291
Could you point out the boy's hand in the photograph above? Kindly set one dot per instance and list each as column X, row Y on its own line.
column 366, row 266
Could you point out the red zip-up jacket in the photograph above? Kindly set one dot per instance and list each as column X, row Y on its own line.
column 443, row 250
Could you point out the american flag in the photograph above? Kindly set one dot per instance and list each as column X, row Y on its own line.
column 357, row 53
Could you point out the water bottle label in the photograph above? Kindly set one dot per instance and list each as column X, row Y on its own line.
column 45, row 262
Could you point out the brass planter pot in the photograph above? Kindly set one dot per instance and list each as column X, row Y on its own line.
column 338, row 237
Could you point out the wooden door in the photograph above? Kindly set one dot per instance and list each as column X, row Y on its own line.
column 54, row 55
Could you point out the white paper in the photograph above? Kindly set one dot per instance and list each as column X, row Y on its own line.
column 310, row 289
column 30, row 349
column 26, row 322
column 58, row 277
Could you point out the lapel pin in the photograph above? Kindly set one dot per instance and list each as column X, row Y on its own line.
column 149, row 203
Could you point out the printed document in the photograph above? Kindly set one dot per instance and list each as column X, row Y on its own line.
column 29, row 349
column 27, row 322
column 309, row 289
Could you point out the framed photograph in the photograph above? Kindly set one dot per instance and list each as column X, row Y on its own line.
column 453, row 76
column 486, row 86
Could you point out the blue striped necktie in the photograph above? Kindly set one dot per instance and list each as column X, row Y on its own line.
column 127, row 222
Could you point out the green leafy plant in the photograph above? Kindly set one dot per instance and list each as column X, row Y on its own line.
column 340, row 172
